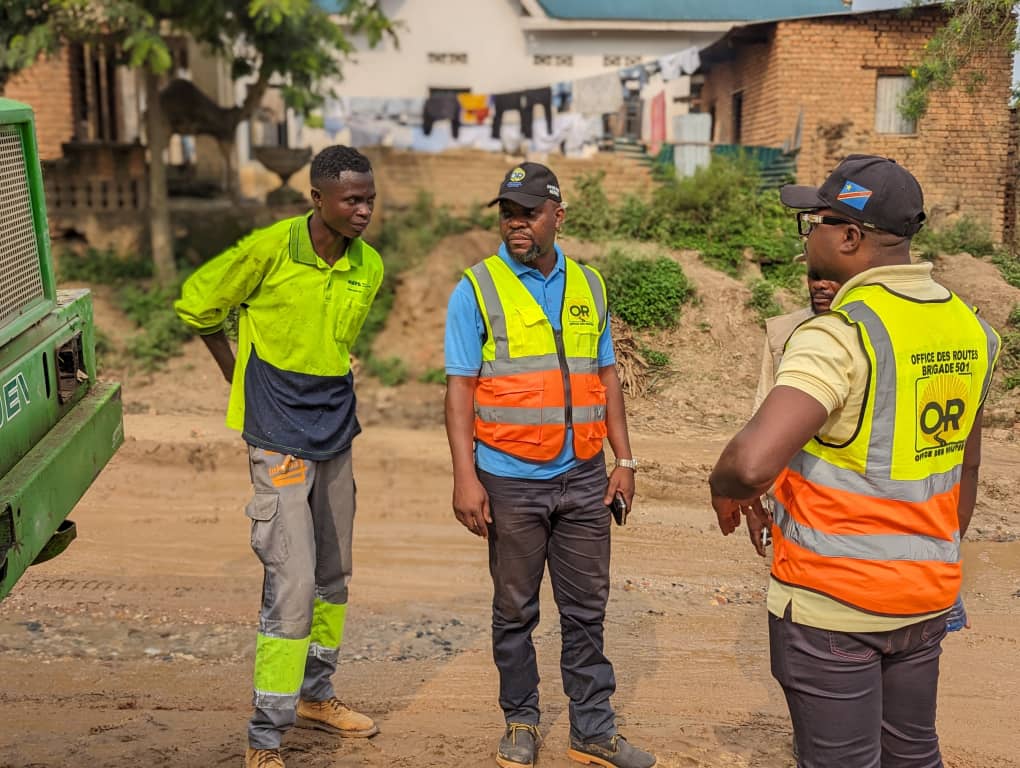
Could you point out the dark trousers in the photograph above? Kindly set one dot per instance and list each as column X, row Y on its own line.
column 562, row 522
column 860, row 699
column 507, row 102
column 536, row 97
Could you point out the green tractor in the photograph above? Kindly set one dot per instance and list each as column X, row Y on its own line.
column 59, row 425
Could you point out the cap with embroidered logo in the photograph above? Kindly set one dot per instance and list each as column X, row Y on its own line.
column 530, row 185
column 876, row 191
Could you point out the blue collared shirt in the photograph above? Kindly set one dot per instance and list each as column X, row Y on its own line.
column 465, row 334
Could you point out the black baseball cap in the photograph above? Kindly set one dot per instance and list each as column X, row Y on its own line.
column 875, row 191
column 529, row 184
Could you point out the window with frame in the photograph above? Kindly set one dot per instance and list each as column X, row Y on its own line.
column 620, row 60
column 447, row 58
column 553, row 60
column 889, row 92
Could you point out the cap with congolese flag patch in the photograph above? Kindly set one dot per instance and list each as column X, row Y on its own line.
column 876, row 191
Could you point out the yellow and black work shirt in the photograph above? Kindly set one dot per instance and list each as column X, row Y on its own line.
column 293, row 390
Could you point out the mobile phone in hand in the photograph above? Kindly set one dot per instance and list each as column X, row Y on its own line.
column 619, row 509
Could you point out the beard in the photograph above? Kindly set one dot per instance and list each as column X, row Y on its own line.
column 529, row 256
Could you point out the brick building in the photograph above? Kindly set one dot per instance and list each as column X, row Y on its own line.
column 829, row 86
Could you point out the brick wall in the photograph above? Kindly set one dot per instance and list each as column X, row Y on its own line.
column 826, row 69
column 46, row 87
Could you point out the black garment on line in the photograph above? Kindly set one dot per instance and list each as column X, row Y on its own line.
column 542, row 96
column 507, row 102
column 444, row 107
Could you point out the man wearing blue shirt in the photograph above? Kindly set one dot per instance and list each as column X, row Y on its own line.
column 532, row 392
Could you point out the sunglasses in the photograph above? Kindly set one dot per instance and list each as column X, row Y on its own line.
column 806, row 221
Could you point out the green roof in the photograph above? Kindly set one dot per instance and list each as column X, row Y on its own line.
column 688, row 10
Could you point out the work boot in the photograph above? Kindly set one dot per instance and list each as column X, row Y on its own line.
column 333, row 716
column 614, row 753
column 517, row 747
column 263, row 758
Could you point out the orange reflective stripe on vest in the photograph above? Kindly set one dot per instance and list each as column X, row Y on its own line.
column 873, row 522
column 535, row 382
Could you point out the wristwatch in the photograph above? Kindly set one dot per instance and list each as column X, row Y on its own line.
column 627, row 463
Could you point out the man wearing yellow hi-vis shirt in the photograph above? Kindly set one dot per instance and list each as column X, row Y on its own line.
column 303, row 287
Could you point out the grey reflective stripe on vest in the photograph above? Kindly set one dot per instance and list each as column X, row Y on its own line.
column 494, row 310
column 595, row 286
column 536, row 364
column 993, row 350
column 883, row 546
column 821, row 472
column 495, row 414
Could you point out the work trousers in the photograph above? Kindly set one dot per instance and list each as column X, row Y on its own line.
column 563, row 522
column 860, row 699
column 302, row 520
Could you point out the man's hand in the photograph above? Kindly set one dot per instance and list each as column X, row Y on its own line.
column 620, row 481
column 471, row 506
column 758, row 522
column 728, row 511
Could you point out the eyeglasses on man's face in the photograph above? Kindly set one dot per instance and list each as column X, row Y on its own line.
column 806, row 221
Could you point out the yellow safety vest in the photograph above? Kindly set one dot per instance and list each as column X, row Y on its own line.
column 873, row 522
column 537, row 382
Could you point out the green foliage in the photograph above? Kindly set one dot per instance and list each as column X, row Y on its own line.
column 1014, row 317
column 763, row 300
column 974, row 28
column 965, row 235
column 589, row 216
column 162, row 332
column 433, row 376
column 102, row 267
column 718, row 211
column 654, row 357
column 25, row 33
column 645, row 293
column 1009, row 357
column 1009, row 266
column 390, row 371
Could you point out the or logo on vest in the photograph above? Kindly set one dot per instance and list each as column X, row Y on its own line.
column 942, row 404
column 580, row 312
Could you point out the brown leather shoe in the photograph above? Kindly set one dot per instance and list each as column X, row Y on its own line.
column 333, row 716
column 263, row 758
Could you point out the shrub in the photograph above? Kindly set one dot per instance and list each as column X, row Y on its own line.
column 390, row 371
column 719, row 211
column 162, row 332
column 589, row 216
column 645, row 293
column 763, row 300
column 654, row 357
column 965, row 235
column 1009, row 267
column 1014, row 317
column 433, row 376
column 102, row 267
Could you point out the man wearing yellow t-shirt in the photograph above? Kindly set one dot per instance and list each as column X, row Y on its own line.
column 303, row 287
column 872, row 440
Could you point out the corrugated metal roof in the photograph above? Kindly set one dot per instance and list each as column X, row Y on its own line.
column 688, row 10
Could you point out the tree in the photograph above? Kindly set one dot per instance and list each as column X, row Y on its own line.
column 25, row 33
column 974, row 28
column 294, row 42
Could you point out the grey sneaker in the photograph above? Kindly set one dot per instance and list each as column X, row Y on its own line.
column 614, row 753
column 518, row 745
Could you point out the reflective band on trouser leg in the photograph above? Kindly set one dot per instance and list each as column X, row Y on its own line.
column 279, row 670
column 327, row 630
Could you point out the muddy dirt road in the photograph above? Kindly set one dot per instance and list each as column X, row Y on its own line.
column 134, row 648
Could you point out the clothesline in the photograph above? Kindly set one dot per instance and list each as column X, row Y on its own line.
column 572, row 111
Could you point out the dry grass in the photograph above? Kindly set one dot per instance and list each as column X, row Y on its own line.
column 631, row 365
